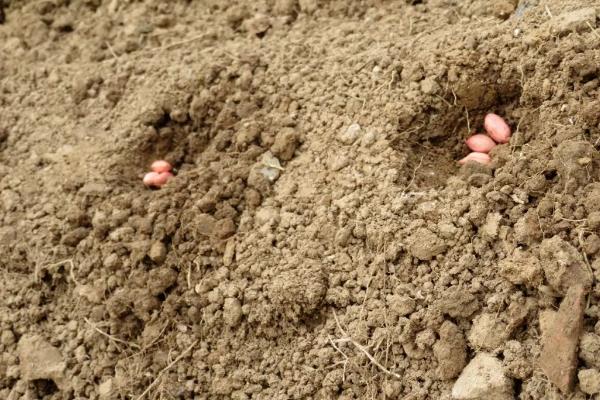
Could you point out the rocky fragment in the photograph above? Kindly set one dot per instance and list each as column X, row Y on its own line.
column 285, row 144
column 560, row 336
column 573, row 21
column 106, row 390
column 232, row 311
column 589, row 381
column 522, row 269
column 457, row 303
column 489, row 230
column 350, row 134
column 40, row 360
column 450, row 351
column 425, row 245
column 589, row 349
column 158, row 252
column 488, row 332
column 517, row 361
column 483, row 379
column 563, row 265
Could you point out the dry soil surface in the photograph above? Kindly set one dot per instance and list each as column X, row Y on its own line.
column 319, row 240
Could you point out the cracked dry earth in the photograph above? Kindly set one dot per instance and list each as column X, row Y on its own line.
column 319, row 239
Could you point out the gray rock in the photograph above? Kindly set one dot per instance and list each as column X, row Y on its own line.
column 483, row 379
column 40, row 360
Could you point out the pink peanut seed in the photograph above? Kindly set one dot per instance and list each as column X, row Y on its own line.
column 150, row 178
column 481, row 158
column 162, row 178
column 480, row 143
column 161, row 166
column 497, row 128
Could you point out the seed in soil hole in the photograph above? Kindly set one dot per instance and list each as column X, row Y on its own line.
column 497, row 128
column 480, row 143
column 150, row 178
column 161, row 166
column 162, row 178
column 481, row 158
column 155, row 179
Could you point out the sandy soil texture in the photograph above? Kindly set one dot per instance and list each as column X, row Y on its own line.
column 319, row 239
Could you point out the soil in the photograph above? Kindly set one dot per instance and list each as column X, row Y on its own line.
column 319, row 240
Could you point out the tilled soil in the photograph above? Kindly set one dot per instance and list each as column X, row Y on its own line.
column 319, row 240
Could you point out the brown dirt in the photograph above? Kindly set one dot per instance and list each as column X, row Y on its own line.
column 368, row 266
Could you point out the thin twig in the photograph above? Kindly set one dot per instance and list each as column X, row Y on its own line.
column 112, row 51
column 100, row 331
column 360, row 347
column 182, row 42
column 346, row 359
column 58, row 264
column 593, row 29
column 468, row 121
column 414, row 175
column 168, row 367
column 369, row 356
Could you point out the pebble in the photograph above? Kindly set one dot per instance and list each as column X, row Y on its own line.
column 350, row 134
column 158, row 252
column 40, row 360
column 483, row 379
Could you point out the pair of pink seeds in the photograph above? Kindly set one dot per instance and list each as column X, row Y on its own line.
column 497, row 130
column 160, row 175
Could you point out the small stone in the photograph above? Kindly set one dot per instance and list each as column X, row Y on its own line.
column 401, row 305
column 522, row 268
column 75, row 236
column 424, row 244
column 40, row 360
column 563, row 265
column 258, row 24
column 160, row 279
column 429, row 86
column 158, row 252
column 285, row 144
column 560, row 337
column 105, row 389
column 350, row 134
column 224, row 228
column 92, row 294
column 7, row 338
column 205, row 224
column 488, row 332
column 271, row 167
column 232, row 312
column 457, row 302
column 483, row 379
column 589, row 381
column 589, row 349
column 490, row 229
